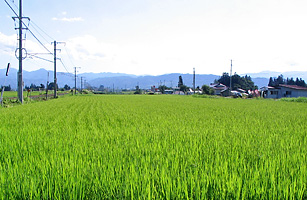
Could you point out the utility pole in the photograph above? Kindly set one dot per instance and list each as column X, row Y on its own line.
column 230, row 77
column 20, row 49
column 81, row 83
column 55, row 79
column 194, row 80
column 54, row 54
column 20, row 80
column 47, row 86
column 76, row 79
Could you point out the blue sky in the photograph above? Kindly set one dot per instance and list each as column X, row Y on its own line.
column 162, row 36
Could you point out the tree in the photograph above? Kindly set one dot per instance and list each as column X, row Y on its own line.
column 51, row 86
column 300, row 82
column 271, row 82
column 181, row 86
column 137, row 90
column 101, row 88
column 6, row 88
column 180, row 82
column 162, row 88
column 280, row 80
column 207, row 90
column 66, row 87
column 224, row 79
column 244, row 82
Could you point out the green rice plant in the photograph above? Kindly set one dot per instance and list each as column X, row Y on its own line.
column 298, row 99
column 153, row 147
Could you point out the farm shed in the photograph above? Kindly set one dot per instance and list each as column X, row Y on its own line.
column 282, row 90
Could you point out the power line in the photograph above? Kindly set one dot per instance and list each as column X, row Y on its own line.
column 11, row 8
column 39, row 33
column 69, row 56
column 42, row 58
column 31, row 21
column 27, row 27
column 64, row 65
column 42, row 30
column 39, row 41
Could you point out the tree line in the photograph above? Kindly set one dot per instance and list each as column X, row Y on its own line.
column 288, row 81
column 34, row 87
column 242, row 82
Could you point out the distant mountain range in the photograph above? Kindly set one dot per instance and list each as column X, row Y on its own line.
column 129, row 81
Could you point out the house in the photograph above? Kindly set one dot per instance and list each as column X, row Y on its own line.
column 168, row 91
column 282, row 91
column 235, row 93
column 218, row 88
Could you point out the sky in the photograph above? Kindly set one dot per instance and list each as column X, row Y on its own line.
column 154, row 37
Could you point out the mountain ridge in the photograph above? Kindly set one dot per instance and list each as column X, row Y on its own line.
column 129, row 81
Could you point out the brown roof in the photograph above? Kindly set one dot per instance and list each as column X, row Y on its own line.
column 293, row 87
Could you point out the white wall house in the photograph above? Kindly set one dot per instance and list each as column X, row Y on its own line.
column 282, row 91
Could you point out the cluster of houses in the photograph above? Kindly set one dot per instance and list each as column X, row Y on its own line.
column 174, row 90
column 276, row 92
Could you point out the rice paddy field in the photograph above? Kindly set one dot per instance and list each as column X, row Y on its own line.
column 153, row 147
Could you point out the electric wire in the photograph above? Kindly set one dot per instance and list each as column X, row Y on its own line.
column 11, row 8
column 69, row 56
column 40, row 34
column 40, row 41
column 42, row 30
column 28, row 29
column 64, row 65
column 41, row 58
column 49, row 52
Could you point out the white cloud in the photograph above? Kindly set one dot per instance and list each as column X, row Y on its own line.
column 88, row 47
column 65, row 19
column 8, row 43
column 176, row 36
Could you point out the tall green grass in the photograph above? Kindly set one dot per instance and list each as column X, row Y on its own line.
column 153, row 147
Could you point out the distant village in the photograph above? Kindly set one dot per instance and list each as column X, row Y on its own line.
column 236, row 86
